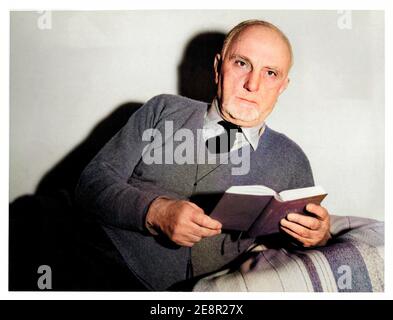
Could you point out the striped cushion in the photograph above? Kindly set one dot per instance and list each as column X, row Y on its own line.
column 352, row 262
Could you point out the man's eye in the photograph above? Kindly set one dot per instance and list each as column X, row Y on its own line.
column 240, row 63
column 271, row 74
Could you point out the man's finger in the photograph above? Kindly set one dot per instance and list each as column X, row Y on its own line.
column 319, row 211
column 186, row 243
column 204, row 220
column 298, row 229
column 186, row 239
column 306, row 221
column 306, row 242
column 193, row 238
column 204, row 232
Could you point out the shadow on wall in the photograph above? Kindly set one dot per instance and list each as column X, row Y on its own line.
column 46, row 229
column 196, row 71
column 195, row 80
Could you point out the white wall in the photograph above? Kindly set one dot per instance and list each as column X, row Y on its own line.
column 66, row 79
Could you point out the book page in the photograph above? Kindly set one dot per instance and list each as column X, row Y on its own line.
column 301, row 193
column 255, row 190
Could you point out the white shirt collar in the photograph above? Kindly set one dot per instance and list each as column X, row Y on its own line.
column 251, row 134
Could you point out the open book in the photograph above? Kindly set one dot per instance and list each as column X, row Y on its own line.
column 258, row 210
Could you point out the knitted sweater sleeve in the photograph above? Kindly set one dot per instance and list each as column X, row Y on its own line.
column 103, row 187
column 302, row 175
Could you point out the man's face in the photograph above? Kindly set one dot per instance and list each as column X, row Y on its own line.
column 253, row 73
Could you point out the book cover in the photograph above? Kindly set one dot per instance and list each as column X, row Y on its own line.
column 260, row 214
column 268, row 221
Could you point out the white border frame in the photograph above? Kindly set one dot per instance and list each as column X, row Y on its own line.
column 205, row 4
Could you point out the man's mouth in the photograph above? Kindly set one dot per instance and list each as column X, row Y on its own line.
column 246, row 100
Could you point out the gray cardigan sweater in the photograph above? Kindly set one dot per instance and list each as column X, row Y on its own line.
column 118, row 187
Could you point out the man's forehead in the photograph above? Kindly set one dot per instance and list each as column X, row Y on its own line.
column 262, row 40
column 258, row 34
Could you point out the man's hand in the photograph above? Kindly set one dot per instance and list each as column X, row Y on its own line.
column 310, row 231
column 182, row 221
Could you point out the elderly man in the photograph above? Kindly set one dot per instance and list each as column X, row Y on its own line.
column 148, row 208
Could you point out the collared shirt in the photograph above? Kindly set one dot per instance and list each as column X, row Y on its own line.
column 211, row 129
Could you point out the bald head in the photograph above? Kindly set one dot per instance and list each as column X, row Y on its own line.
column 236, row 31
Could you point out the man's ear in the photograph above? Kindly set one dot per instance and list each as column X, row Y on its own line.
column 284, row 85
column 217, row 67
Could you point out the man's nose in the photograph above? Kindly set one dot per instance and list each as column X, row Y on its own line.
column 253, row 81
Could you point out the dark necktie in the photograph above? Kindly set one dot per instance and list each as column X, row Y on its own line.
column 225, row 141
